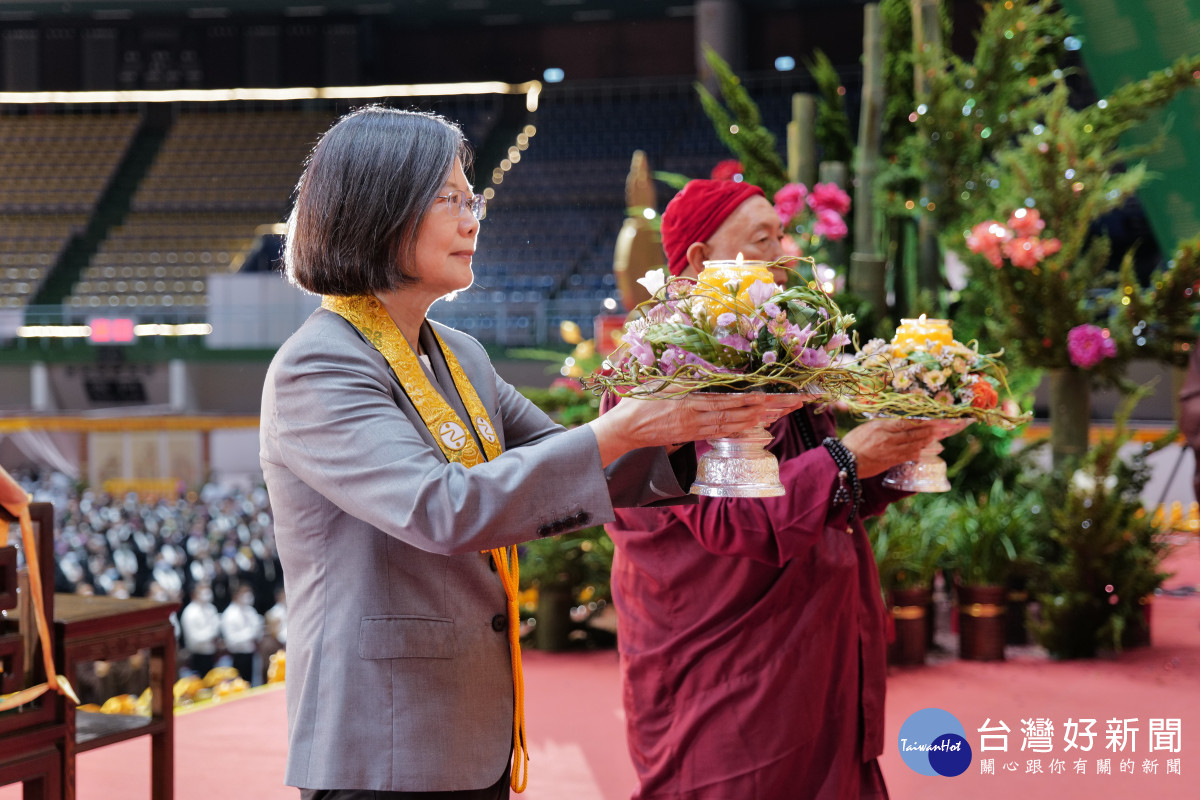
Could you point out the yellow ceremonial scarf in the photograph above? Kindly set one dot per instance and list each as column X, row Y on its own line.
column 368, row 315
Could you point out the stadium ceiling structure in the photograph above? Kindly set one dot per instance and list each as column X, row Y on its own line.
column 470, row 12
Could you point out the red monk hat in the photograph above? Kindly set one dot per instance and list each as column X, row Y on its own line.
column 696, row 212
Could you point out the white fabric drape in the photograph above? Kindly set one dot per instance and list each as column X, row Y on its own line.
column 40, row 447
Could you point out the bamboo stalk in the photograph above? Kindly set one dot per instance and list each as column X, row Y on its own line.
column 927, row 46
column 868, row 269
column 804, row 115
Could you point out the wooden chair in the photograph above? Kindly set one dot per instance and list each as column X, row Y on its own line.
column 33, row 738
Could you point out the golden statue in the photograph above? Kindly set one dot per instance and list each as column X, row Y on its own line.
column 639, row 246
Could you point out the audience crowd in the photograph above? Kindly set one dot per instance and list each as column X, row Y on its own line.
column 212, row 551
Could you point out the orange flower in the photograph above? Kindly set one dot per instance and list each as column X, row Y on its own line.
column 984, row 396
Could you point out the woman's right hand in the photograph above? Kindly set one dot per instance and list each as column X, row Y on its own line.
column 645, row 422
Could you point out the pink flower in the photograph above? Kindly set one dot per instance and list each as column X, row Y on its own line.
column 789, row 201
column 770, row 357
column 830, row 224
column 736, row 342
column 761, row 291
column 987, row 239
column 728, row 170
column 640, row 349
column 829, row 197
column 839, row 339
column 1088, row 345
column 1026, row 222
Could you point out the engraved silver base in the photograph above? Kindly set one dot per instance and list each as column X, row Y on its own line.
column 739, row 466
column 926, row 474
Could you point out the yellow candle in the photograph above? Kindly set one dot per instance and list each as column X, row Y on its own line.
column 922, row 334
column 718, row 276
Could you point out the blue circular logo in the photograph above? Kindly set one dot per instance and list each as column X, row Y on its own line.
column 933, row 742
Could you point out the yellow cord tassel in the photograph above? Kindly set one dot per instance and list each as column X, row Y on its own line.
column 59, row 683
column 510, row 576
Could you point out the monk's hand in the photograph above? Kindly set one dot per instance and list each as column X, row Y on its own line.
column 880, row 444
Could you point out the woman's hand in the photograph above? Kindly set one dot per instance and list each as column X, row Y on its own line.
column 637, row 422
column 881, row 444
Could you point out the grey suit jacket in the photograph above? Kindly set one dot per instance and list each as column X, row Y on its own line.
column 398, row 673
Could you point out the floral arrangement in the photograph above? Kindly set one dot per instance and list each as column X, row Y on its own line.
column 733, row 329
column 939, row 381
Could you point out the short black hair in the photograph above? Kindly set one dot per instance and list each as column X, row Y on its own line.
column 366, row 188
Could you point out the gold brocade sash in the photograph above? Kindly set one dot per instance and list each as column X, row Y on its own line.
column 368, row 315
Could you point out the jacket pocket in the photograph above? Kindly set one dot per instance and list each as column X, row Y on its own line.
column 406, row 637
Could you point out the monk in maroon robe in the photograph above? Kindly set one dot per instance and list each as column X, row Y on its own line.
column 751, row 631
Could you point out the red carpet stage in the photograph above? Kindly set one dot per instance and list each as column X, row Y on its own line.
column 236, row 749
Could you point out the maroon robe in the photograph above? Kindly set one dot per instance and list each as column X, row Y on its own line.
column 751, row 634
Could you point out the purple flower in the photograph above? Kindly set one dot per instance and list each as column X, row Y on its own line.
column 770, row 357
column 1088, row 345
column 674, row 358
column 814, row 358
column 838, row 340
column 772, row 311
column 727, row 319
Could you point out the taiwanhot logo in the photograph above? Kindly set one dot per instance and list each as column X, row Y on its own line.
column 933, row 742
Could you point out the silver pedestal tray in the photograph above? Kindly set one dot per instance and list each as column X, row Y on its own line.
column 928, row 472
column 739, row 466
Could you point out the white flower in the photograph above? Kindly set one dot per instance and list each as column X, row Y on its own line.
column 1083, row 482
column 653, row 281
column 901, row 381
column 874, row 346
column 934, row 378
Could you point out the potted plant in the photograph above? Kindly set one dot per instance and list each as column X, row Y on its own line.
column 565, row 571
column 989, row 540
column 1105, row 552
column 910, row 542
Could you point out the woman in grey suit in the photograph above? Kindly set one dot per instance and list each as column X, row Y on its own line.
column 402, row 471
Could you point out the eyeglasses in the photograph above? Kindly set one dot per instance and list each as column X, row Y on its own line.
column 457, row 201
